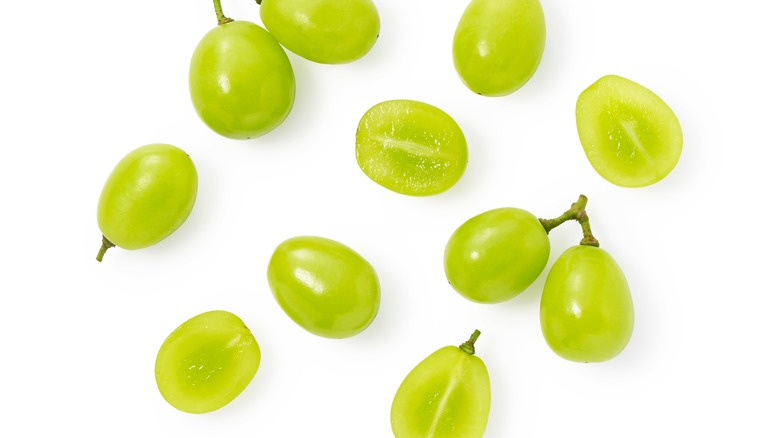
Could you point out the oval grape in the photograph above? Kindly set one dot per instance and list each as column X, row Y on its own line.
column 206, row 362
column 148, row 195
column 241, row 81
column 411, row 147
column 498, row 45
column 586, row 312
column 324, row 31
column 630, row 136
column 446, row 395
column 324, row 286
column 495, row 255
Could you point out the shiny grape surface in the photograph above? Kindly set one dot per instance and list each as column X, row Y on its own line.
column 324, row 31
column 324, row 286
column 498, row 45
column 148, row 195
column 495, row 255
column 241, row 81
column 586, row 313
column 206, row 362
column 631, row 137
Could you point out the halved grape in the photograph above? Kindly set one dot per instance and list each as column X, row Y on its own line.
column 446, row 395
column 411, row 147
column 630, row 135
column 206, row 362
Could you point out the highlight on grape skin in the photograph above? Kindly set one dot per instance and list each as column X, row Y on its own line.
column 630, row 136
column 411, row 147
column 149, row 194
column 323, row 31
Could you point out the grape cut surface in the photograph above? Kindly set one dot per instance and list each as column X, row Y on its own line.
column 206, row 362
column 446, row 395
column 411, row 147
column 631, row 137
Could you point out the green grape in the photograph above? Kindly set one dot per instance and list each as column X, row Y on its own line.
column 241, row 80
column 495, row 255
column 324, row 286
column 324, row 31
column 206, row 362
column 630, row 136
column 586, row 312
column 411, row 147
column 498, row 45
column 447, row 395
column 147, row 196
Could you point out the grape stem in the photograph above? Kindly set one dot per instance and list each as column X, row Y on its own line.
column 221, row 18
column 103, row 248
column 468, row 346
column 576, row 213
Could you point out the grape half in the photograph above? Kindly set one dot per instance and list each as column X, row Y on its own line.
column 446, row 395
column 206, row 362
column 630, row 135
column 411, row 147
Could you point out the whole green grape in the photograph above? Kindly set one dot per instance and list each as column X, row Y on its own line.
column 241, row 81
column 498, row 45
column 586, row 313
column 630, row 135
column 206, row 362
column 324, row 31
column 495, row 255
column 324, row 286
column 411, row 147
column 148, row 195
column 446, row 395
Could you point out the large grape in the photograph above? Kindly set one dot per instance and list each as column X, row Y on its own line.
column 148, row 195
column 495, row 255
column 324, row 286
column 324, row 31
column 498, row 45
column 241, row 81
column 586, row 313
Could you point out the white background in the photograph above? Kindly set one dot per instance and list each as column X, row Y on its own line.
column 83, row 83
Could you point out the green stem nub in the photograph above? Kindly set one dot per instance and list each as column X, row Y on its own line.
column 468, row 346
column 103, row 248
column 221, row 18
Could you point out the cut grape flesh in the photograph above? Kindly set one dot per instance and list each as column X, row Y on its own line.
column 411, row 147
column 631, row 137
